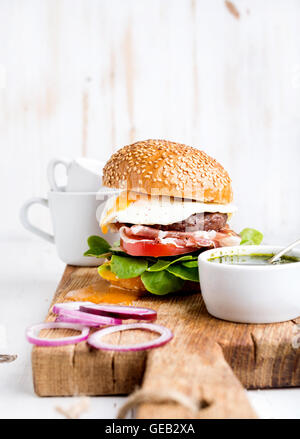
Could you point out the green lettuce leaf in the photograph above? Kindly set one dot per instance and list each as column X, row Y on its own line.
column 126, row 267
column 184, row 273
column 161, row 282
column 190, row 264
column 98, row 247
column 163, row 264
column 251, row 237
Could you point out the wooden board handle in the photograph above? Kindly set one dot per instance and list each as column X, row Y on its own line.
column 202, row 375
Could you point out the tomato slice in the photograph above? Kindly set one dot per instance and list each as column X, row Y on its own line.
column 144, row 247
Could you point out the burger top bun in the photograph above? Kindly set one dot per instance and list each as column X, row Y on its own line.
column 160, row 167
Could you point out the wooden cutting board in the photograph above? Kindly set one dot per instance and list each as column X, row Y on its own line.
column 209, row 360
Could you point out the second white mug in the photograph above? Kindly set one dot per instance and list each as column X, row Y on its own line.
column 83, row 175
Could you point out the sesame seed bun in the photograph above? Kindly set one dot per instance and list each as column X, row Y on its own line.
column 160, row 167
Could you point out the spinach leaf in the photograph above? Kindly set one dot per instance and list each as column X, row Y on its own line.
column 98, row 247
column 163, row 264
column 184, row 273
column 161, row 282
column 190, row 264
column 251, row 237
column 126, row 267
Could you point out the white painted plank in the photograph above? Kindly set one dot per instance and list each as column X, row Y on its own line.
column 87, row 77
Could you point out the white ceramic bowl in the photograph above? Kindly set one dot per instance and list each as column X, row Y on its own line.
column 250, row 294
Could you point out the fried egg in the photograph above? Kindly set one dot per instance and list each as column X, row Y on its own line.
column 133, row 208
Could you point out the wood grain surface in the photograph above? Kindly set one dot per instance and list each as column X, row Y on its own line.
column 208, row 359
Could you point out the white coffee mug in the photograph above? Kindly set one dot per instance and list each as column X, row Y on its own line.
column 83, row 175
column 74, row 220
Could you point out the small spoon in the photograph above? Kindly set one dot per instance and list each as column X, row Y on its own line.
column 282, row 252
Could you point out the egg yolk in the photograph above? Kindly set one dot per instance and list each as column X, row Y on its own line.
column 122, row 202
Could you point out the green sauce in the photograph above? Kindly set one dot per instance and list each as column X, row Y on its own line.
column 254, row 259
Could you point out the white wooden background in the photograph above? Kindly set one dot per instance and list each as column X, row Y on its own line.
column 85, row 77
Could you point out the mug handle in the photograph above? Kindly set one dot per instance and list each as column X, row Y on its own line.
column 27, row 224
column 51, row 172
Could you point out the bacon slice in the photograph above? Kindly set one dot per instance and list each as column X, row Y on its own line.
column 210, row 239
column 227, row 237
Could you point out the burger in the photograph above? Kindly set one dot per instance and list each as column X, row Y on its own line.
column 173, row 202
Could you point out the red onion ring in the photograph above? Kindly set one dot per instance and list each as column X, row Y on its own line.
column 71, row 310
column 68, row 305
column 76, row 320
column 33, row 331
column 166, row 335
column 120, row 311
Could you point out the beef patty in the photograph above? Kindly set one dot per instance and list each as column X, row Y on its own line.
column 197, row 221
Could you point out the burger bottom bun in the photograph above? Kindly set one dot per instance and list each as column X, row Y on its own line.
column 136, row 284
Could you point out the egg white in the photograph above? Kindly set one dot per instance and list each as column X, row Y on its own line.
column 158, row 210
